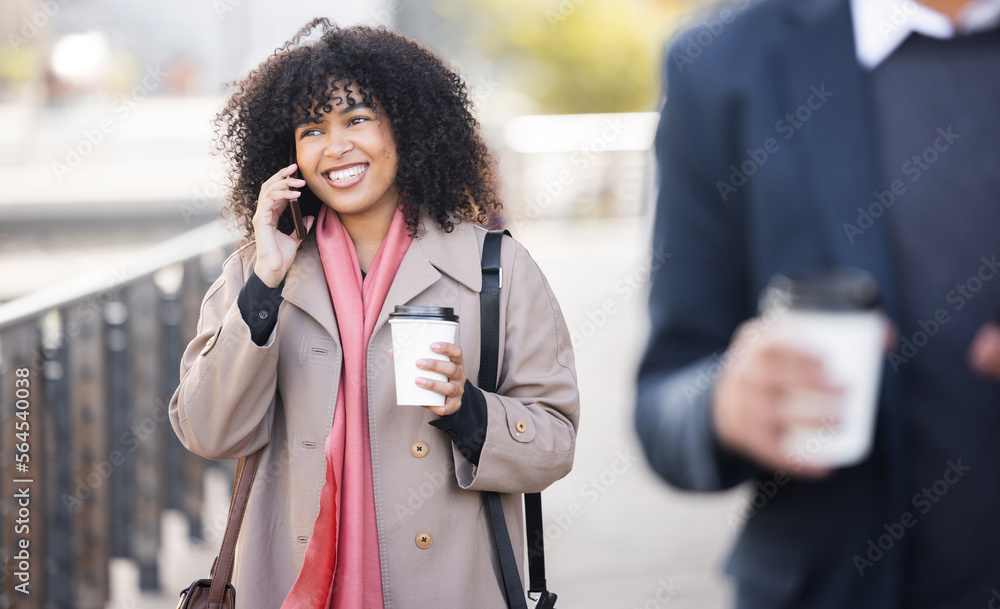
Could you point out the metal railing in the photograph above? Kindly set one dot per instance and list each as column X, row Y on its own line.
column 88, row 460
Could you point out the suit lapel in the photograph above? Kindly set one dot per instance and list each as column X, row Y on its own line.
column 837, row 142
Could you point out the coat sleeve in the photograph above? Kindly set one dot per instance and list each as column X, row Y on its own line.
column 699, row 293
column 533, row 417
column 224, row 405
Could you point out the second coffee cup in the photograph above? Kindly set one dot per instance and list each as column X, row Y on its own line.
column 414, row 329
column 833, row 314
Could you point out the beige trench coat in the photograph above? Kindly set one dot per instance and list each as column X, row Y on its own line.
column 235, row 397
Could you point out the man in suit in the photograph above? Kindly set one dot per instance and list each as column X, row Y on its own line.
column 812, row 133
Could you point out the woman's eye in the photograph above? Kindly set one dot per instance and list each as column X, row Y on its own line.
column 309, row 132
column 357, row 119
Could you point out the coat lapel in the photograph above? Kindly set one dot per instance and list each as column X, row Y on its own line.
column 306, row 288
column 837, row 143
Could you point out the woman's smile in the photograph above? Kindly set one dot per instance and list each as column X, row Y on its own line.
column 345, row 177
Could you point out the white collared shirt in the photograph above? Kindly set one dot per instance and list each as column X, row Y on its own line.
column 880, row 26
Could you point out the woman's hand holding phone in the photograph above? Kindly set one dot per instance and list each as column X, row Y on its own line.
column 275, row 249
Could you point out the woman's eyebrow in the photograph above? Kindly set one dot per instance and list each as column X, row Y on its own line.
column 357, row 105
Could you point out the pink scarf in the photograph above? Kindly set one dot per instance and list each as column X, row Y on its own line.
column 342, row 567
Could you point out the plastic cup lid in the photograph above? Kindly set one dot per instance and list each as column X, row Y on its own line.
column 432, row 313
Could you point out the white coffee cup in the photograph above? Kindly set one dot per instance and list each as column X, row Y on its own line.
column 833, row 314
column 414, row 329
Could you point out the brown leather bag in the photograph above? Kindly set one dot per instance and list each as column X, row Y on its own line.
column 218, row 592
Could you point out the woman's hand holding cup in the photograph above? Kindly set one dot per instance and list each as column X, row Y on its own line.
column 453, row 369
column 275, row 249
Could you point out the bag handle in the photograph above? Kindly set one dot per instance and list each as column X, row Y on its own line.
column 246, row 471
column 489, row 305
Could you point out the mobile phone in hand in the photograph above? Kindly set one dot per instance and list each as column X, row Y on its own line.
column 300, row 227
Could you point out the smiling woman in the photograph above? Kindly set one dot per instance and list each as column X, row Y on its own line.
column 292, row 354
column 420, row 103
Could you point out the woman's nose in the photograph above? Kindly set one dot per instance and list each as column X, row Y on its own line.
column 338, row 143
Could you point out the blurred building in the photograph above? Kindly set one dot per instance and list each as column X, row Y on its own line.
column 105, row 121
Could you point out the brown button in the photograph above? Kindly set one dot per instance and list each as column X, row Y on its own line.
column 424, row 540
column 210, row 342
column 419, row 449
column 521, row 426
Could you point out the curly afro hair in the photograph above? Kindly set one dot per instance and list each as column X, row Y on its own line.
column 445, row 167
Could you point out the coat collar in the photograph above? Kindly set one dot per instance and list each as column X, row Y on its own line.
column 432, row 253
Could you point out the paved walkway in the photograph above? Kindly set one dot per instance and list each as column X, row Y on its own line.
column 617, row 538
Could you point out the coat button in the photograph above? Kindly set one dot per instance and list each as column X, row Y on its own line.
column 419, row 449
column 210, row 342
column 521, row 426
column 424, row 540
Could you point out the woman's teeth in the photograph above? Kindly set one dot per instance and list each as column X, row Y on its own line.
column 346, row 174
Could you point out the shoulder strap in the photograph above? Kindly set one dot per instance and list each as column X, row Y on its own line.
column 490, row 345
column 489, row 329
column 489, row 307
column 246, row 470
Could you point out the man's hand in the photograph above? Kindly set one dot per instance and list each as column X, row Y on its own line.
column 984, row 352
column 758, row 398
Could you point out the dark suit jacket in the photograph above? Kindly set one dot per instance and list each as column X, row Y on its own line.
column 765, row 151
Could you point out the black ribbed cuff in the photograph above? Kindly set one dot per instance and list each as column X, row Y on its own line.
column 467, row 426
column 258, row 305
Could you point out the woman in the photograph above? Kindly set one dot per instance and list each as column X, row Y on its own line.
column 359, row 502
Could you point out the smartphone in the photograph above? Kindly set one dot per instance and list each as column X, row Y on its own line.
column 300, row 227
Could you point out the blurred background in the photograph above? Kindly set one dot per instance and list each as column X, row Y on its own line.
column 109, row 200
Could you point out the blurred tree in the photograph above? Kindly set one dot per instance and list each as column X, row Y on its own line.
column 572, row 56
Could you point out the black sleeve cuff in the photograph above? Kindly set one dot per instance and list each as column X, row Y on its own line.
column 259, row 307
column 467, row 426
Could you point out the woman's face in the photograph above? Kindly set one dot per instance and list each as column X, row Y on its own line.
column 349, row 159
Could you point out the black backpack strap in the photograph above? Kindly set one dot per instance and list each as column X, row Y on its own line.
column 489, row 305
column 536, row 544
